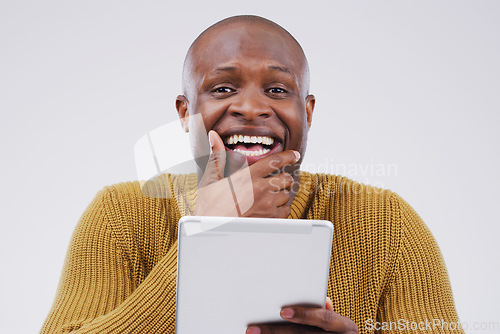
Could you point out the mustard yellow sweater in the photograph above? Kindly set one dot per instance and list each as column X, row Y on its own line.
column 119, row 274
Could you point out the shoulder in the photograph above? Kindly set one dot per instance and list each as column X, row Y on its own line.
column 125, row 199
column 140, row 215
column 363, row 209
column 109, row 202
column 144, row 197
column 125, row 207
column 130, row 189
column 415, row 234
column 128, row 193
column 373, row 211
column 135, row 203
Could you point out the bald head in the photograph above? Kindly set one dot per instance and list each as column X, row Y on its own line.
column 239, row 33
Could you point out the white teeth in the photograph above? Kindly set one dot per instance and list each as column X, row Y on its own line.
column 234, row 139
column 253, row 153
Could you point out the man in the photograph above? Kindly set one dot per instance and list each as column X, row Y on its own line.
column 247, row 80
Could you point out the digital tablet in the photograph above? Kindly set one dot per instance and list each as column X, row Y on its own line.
column 232, row 272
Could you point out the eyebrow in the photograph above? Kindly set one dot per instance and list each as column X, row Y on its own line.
column 279, row 68
column 270, row 67
column 225, row 69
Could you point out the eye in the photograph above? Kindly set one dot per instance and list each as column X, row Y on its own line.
column 277, row 91
column 223, row 90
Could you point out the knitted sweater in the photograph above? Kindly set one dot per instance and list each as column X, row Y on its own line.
column 119, row 274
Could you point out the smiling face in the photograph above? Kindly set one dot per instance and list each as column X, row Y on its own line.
column 249, row 82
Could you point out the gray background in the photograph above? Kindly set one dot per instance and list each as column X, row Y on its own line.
column 410, row 84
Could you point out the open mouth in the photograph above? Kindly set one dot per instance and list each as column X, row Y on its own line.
column 251, row 146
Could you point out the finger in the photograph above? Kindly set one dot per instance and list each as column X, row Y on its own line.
column 216, row 164
column 283, row 211
column 282, row 198
column 266, row 166
column 280, row 182
column 215, row 141
column 319, row 317
column 329, row 304
column 283, row 328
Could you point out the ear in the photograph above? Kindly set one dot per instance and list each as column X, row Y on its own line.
column 310, row 101
column 181, row 104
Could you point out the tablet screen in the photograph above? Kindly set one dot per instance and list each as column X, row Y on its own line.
column 235, row 271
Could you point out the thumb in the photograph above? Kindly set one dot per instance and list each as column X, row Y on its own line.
column 215, row 142
column 329, row 304
column 217, row 161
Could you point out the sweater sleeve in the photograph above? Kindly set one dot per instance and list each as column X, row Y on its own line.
column 97, row 292
column 418, row 297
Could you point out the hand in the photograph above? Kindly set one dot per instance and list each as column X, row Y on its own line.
column 249, row 192
column 308, row 320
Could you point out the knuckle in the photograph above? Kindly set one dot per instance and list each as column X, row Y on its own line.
column 300, row 313
column 328, row 318
column 257, row 192
column 274, row 184
column 276, row 160
column 284, row 197
column 284, row 176
column 288, row 178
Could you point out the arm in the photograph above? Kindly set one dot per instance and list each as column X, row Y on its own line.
column 97, row 292
column 419, row 290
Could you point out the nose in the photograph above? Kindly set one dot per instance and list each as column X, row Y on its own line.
column 250, row 104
